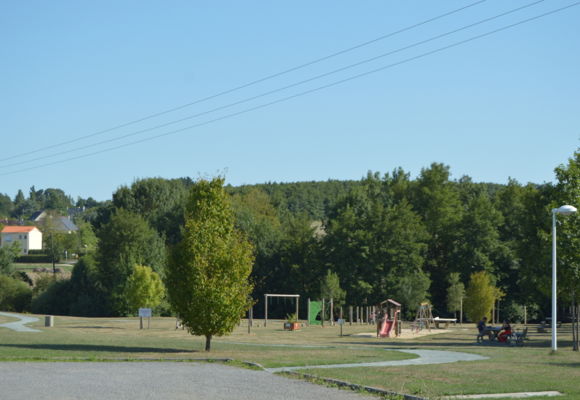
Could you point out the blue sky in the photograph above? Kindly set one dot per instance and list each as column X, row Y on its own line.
column 506, row 105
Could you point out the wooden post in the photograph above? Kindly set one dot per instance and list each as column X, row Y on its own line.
column 297, row 299
column 331, row 312
column 350, row 315
column 250, row 317
column 322, row 315
column 308, row 313
column 340, row 312
column 266, row 310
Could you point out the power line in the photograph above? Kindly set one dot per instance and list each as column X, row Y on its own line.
column 270, row 92
column 423, row 55
column 243, row 86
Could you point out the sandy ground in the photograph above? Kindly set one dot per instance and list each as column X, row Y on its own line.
column 406, row 333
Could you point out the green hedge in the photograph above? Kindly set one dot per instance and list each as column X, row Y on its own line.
column 36, row 252
column 34, row 259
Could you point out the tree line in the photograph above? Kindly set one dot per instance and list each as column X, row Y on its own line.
column 384, row 236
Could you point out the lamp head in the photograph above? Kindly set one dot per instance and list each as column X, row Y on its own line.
column 565, row 210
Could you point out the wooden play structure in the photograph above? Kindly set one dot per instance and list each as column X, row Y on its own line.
column 388, row 318
column 424, row 318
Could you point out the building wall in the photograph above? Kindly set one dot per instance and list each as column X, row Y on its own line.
column 28, row 240
column 35, row 240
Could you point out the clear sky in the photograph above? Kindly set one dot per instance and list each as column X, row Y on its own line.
column 505, row 105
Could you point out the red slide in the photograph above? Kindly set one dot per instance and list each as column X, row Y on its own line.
column 386, row 328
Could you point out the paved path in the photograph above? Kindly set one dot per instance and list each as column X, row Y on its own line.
column 19, row 326
column 153, row 380
column 425, row 357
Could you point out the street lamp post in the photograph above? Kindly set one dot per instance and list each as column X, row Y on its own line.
column 564, row 210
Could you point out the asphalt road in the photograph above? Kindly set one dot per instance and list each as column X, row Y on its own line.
column 153, row 380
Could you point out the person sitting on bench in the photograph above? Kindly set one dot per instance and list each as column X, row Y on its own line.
column 481, row 327
column 506, row 331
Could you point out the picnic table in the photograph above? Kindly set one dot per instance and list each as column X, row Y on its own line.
column 444, row 321
column 491, row 332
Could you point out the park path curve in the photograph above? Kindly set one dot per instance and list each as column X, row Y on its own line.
column 425, row 357
column 20, row 325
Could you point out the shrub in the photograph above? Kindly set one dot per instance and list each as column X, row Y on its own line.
column 15, row 295
column 54, row 300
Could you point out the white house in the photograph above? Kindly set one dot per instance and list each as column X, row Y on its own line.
column 29, row 237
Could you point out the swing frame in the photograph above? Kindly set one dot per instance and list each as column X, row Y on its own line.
column 266, row 296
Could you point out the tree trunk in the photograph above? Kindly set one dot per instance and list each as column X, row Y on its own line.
column 207, row 342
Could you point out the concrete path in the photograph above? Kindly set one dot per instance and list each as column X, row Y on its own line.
column 153, row 380
column 19, row 326
column 425, row 357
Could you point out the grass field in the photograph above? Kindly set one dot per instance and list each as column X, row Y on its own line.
column 508, row 369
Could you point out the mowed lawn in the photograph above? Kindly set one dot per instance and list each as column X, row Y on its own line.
column 508, row 369
column 121, row 339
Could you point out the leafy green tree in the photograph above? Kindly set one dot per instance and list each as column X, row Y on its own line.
column 6, row 205
column 480, row 296
column 207, row 273
column 437, row 200
column 330, row 288
column 144, row 288
column 7, row 256
column 455, row 293
column 88, row 297
column 480, row 246
column 159, row 201
column 567, row 191
column 374, row 240
column 54, row 199
column 87, row 238
column 125, row 241
column 411, row 289
column 521, row 231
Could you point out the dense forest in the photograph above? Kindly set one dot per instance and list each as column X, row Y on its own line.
column 384, row 236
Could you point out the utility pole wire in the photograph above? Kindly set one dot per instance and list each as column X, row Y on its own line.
column 252, row 83
column 267, row 93
column 407, row 60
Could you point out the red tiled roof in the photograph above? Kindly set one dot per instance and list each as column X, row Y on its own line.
column 18, row 229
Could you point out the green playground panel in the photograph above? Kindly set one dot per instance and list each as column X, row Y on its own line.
column 314, row 309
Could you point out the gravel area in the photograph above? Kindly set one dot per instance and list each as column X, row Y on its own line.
column 153, row 380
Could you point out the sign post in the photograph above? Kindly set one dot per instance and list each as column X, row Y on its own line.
column 341, row 323
column 144, row 313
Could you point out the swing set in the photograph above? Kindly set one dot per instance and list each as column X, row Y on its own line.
column 267, row 296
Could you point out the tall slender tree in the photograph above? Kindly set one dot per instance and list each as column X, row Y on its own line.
column 208, row 271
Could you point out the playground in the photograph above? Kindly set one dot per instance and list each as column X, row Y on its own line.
column 382, row 362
